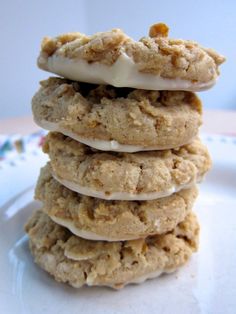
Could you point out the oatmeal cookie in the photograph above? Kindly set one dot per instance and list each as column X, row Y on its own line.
column 125, row 176
column 117, row 119
column 156, row 62
column 96, row 219
column 79, row 262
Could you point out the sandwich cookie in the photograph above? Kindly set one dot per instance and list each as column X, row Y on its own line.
column 155, row 62
column 124, row 176
column 96, row 219
column 79, row 262
column 117, row 119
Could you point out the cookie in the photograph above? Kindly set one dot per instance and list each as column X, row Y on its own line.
column 97, row 219
column 117, row 119
column 125, row 176
column 155, row 62
column 79, row 262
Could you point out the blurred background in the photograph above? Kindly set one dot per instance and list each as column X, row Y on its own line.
column 24, row 23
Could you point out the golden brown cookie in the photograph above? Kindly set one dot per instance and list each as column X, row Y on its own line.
column 123, row 176
column 97, row 219
column 81, row 262
column 155, row 62
column 117, row 119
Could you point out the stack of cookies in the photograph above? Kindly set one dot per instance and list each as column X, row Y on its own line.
column 125, row 157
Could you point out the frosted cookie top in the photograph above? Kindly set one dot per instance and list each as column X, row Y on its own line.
column 155, row 62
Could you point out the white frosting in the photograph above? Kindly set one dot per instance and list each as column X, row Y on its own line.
column 152, row 275
column 121, row 196
column 137, row 280
column 140, row 279
column 98, row 144
column 123, row 73
column 88, row 234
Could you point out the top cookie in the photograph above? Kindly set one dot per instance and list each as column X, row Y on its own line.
column 154, row 63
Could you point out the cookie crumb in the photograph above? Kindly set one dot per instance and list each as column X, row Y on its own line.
column 159, row 30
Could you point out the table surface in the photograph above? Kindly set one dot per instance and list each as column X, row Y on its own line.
column 214, row 121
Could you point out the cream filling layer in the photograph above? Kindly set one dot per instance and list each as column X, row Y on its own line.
column 100, row 144
column 151, row 275
column 122, row 196
column 139, row 279
column 123, row 73
column 136, row 280
column 88, row 234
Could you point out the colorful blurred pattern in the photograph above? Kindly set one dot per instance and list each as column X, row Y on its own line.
column 15, row 146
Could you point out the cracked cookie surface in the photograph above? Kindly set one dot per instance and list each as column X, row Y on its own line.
column 154, row 62
column 121, row 119
column 123, row 176
column 79, row 262
column 98, row 219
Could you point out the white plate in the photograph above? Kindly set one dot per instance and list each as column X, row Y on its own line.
column 205, row 285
